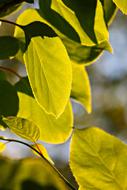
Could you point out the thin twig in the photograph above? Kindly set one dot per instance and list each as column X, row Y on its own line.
column 10, row 22
column 11, row 71
column 31, row 147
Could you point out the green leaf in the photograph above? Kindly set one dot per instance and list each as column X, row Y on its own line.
column 32, row 174
column 9, row 6
column 57, row 20
column 99, row 158
column 23, row 86
column 109, row 10
column 85, row 12
column 85, row 54
column 52, row 130
column 50, row 73
column 9, row 102
column 81, row 86
column 23, row 128
column 9, row 46
column 122, row 5
column 37, row 28
column 91, row 17
column 2, row 75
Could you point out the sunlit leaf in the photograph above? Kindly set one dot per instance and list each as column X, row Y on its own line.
column 50, row 73
column 57, row 20
column 2, row 147
column 122, row 5
column 8, row 99
column 9, row 46
column 23, row 127
column 91, row 17
column 81, row 86
column 52, row 130
column 98, row 160
column 43, row 151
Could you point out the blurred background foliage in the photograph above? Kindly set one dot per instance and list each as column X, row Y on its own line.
column 108, row 78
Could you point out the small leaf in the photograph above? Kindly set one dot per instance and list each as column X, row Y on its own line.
column 52, row 130
column 23, row 128
column 43, row 151
column 9, row 102
column 99, row 158
column 81, row 86
column 50, row 73
column 9, row 46
column 122, row 5
column 2, row 147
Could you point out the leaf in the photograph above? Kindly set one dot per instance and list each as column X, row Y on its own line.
column 2, row 75
column 8, row 6
column 43, row 151
column 52, row 130
column 99, row 158
column 23, row 86
column 122, row 5
column 33, row 174
column 9, row 102
column 109, row 10
column 23, row 128
column 9, row 46
column 50, row 73
column 90, row 16
column 85, row 54
column 2, row 147
column 37, row 28
column 57, row 20
column 81, row 86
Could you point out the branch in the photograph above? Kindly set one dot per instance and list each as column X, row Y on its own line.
column 31, row 147
column 11, row 71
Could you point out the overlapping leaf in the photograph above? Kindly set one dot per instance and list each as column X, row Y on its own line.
column 52, row 130
column 81, row 86
column 99, row 158
column 23, row 127
column 8, row 99
column 9, row 46
column 122, row 5
column 50, row 73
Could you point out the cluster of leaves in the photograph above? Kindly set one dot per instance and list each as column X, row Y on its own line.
column 55, row 43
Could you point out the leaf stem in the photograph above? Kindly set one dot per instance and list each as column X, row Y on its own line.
column 11, row 71
column 40, row 154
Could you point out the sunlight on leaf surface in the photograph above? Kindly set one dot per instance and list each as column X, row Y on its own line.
column 99, row 158
column 81, row 90
column 52, row 130
column 50, row 73
column 23, row 128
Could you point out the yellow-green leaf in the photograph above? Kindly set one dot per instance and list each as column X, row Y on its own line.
column 81, row 90
column 2, row 147
column 122, row 5
column 50, row 73
column 23, row 128
column 98, row 24
column 43, row 151
column 98, row 160
column 52, row 130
